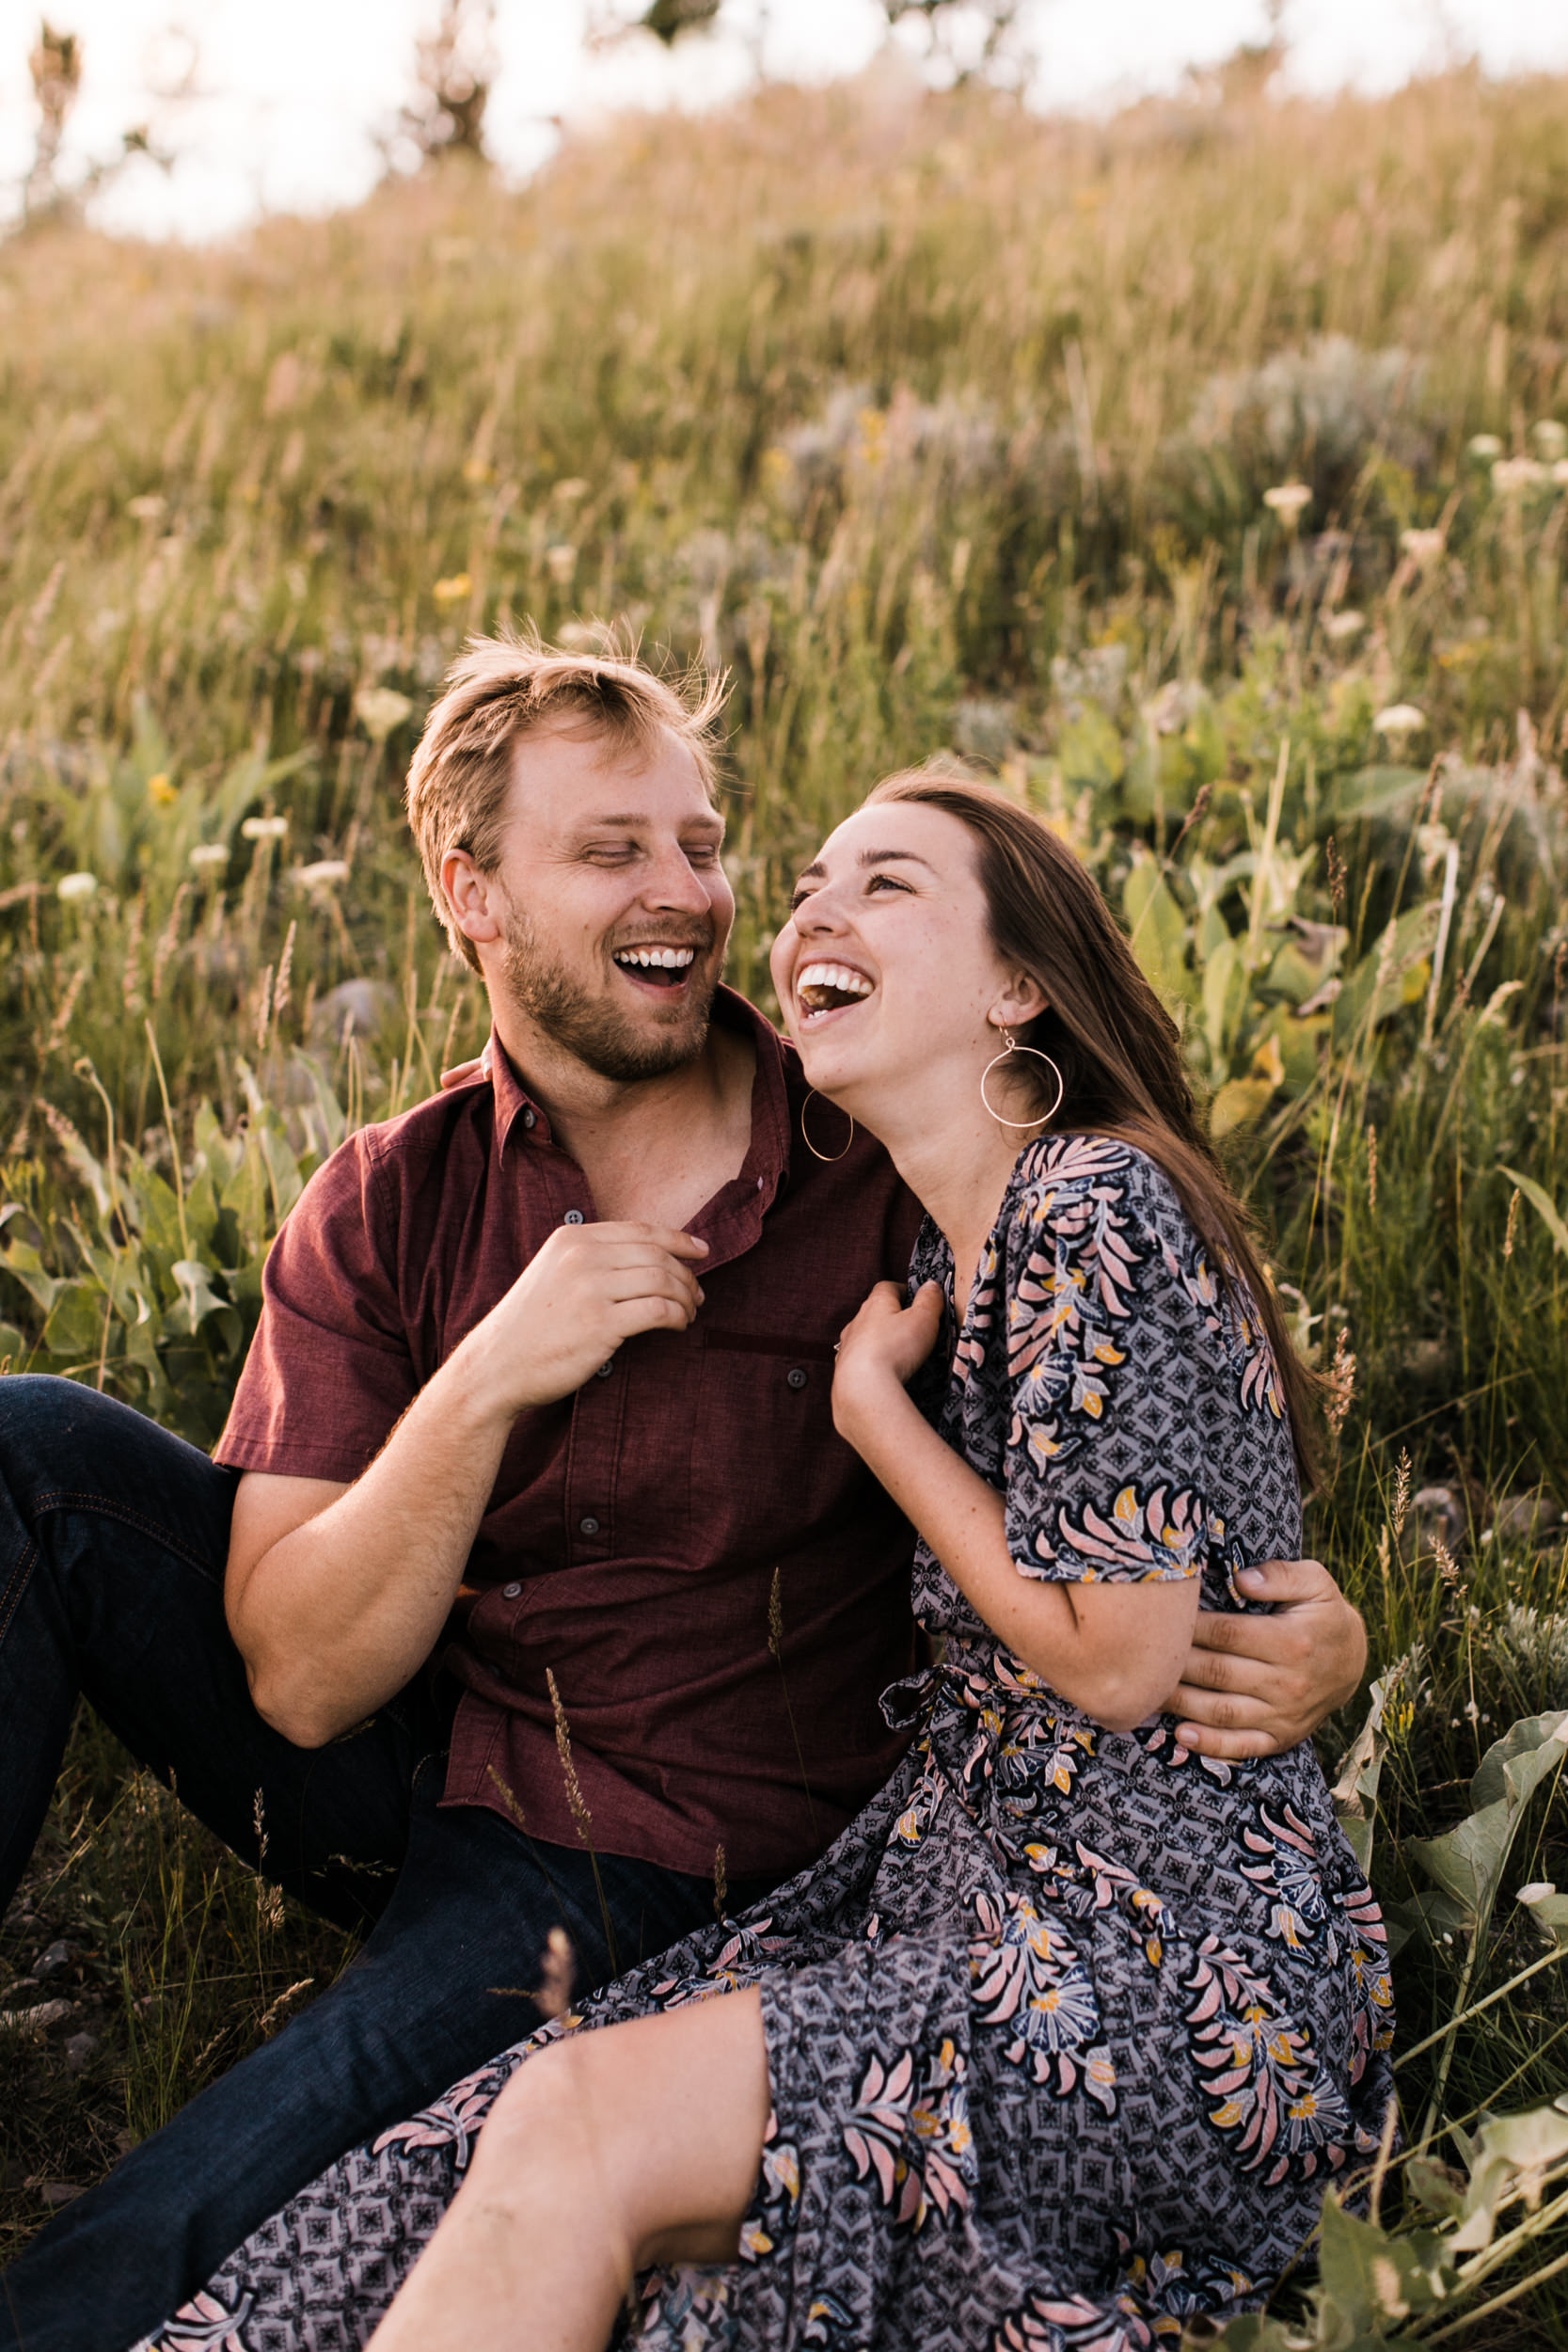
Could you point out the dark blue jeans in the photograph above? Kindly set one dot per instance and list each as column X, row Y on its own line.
column 113, row 1537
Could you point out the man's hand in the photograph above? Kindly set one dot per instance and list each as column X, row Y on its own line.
column 589, row 1288
column 1253, row 1685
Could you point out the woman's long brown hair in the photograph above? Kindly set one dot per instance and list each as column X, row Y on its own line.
column 1117, row 1047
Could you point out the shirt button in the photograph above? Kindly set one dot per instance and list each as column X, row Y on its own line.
column 604, row 1370
column 796, row 1378
column 528, row 1119
column 510, row 1592
column 573, row 1216
column 590, row 1526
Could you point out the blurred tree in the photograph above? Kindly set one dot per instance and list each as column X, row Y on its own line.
column 56, row 68
column 1000, row 56
column 669, row 19
column 454, row 70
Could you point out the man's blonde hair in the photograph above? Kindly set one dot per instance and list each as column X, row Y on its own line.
column 503, row 688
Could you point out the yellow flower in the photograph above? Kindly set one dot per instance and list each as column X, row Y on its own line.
column 456, row 589
column 476, row 472
column 160, row 791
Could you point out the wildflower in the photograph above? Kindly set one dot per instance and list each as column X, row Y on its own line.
column 321, row 874
column 556, row 1969
column 1341, row 1383
column 1287, row 499
column 160, row 792
column 75, row 888
column 1551, row 439
column 209, row 853
column 1401, row 1492
column 1512, row 476
column 1448, row 1567
column 476, row 472
column 1340, row 627
column 146, row 509
column 380, row 708
column 561, row 562
column 456, row 589
column 1484, row 447
column 265, row 827
column 1422, row 547
column 1399, row 721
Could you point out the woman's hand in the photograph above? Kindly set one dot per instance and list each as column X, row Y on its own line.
column 878, row 1353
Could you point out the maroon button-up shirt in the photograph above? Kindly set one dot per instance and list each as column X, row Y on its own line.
column 631, row 1542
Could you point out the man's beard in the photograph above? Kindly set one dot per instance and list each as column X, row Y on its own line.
column 597, row 1033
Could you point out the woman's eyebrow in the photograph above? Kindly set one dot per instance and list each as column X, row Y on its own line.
column 892, row 857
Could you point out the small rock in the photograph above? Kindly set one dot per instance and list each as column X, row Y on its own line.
column 1528, row 1518
column 57, row 1961
column 58, row 2193
column 1437, row 1516
column 78, row 2049
column 37, row 2019
column 355, row 1007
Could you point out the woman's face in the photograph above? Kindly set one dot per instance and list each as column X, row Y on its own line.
column 885, row 971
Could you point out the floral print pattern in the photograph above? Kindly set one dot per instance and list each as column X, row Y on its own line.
column 1069, row 2030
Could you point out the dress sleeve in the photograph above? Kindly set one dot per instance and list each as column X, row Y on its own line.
column 330, row 1370
column 1112, row 1372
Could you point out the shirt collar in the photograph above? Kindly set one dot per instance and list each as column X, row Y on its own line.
column 767, row 1162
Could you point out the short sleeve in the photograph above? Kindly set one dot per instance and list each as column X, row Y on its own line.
column 329, row 1371
column 1109, row 1354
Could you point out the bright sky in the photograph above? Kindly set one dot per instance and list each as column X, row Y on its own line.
column 290, row 92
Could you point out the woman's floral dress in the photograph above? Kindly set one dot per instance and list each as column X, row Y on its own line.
column 1070, row 2030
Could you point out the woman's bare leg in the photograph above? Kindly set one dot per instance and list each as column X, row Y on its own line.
column 605, row 2153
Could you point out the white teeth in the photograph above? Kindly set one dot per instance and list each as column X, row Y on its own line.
column 834, row 975
column 658, row 958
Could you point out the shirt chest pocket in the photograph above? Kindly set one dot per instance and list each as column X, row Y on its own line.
column 765, row 1460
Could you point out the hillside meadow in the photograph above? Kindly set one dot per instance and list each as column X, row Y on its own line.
column 1204, row 477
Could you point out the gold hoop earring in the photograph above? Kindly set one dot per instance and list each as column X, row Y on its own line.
column 807, row 1141
column 1009, row 1046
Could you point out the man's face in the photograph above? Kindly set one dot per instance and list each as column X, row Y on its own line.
column 614, row 910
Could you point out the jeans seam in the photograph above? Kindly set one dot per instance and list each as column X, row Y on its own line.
column 63, row 1500
column 17, row 1586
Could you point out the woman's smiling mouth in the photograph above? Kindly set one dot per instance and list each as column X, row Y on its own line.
column 822, row 987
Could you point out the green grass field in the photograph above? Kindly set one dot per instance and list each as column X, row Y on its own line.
column 1205, row 477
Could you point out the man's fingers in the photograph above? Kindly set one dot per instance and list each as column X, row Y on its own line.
column 1212, row 1670
column 1230, row 1747
column 1287, row 1641
column 1282, row 1581
column 1230, row 1710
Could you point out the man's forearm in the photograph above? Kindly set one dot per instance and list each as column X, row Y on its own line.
column 340, row 1613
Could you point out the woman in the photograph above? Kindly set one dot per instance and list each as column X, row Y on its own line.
column 1064, row 2039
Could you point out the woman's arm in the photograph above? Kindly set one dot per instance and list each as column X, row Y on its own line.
column 1113, row 1650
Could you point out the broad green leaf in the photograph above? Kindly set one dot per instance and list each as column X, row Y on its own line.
column 1156, row 925
column 198, row 1296
column 1520, row 1760
column 1548, row 1911
column 1542, row 1203
column 1370, row 2281
column 1376, row 988
column 1467, row 1862
column 1239, row 1102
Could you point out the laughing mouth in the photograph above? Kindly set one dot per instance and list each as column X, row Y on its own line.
column 656, row 967
column 825, row 987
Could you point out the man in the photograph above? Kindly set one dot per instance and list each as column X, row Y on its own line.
column 545, row 1593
